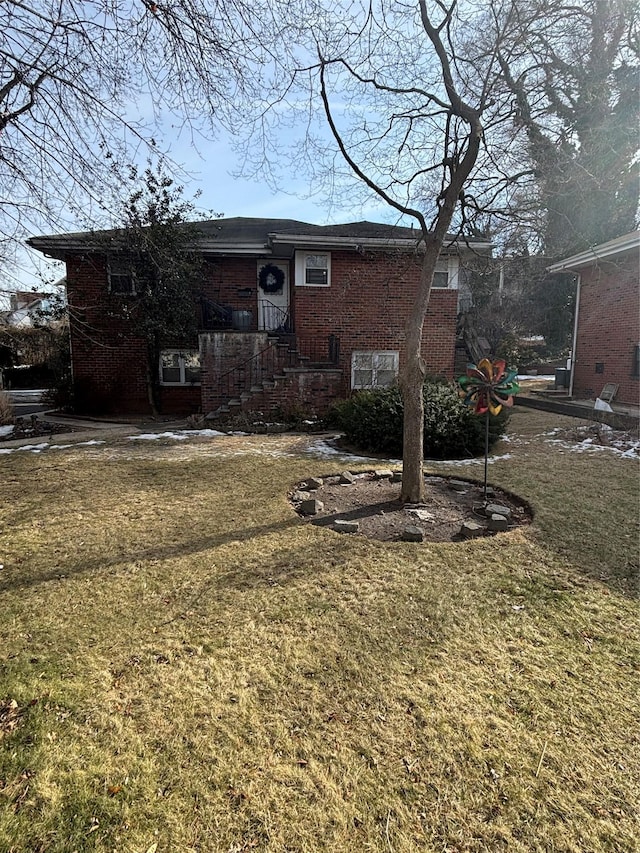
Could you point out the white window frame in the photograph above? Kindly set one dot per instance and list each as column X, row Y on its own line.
column 301, row 268
column 375, row 354
column 450, row 266
column 120, row 267
column 181, row 353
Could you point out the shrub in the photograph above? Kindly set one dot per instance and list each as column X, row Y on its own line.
column 372, row 420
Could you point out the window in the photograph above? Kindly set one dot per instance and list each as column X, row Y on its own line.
column 635, row 370
column 599, row 366
column 441, row 275
column 447, row 273
column 313, row 269
column 120, row 276
column 373, row 369
column 180, row 367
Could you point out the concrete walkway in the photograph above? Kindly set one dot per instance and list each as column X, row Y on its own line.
column 87, row 429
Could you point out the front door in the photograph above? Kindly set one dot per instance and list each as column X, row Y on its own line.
column 273, row 296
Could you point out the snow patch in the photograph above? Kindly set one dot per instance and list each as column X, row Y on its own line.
column 178, row 435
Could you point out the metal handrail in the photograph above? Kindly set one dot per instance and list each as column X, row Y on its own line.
column 284, row 317
column 210, row 309
column 268, row 362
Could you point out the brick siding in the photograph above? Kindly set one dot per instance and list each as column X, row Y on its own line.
column 365, row 307
column 608, row 329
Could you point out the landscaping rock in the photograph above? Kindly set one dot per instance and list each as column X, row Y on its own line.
column 471, row 530
column 383, row 474
column 347, row 478
column 343, row 526
column 422, row 514
column 314, row 483
column 396, row 477
column 498, row 523
column 497, row 509
column 459, row 485
column 411, row 533
column 300, row 496
column 311, row 507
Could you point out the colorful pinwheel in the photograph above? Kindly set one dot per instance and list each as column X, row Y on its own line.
column 489, row 386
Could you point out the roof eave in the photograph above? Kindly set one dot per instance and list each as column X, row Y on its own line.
column 365, row 242
column 605, row 250
column 214, row 247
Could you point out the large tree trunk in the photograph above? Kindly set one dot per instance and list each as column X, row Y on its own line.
column 411, row 383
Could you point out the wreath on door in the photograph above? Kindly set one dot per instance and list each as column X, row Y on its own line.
column 271, row 279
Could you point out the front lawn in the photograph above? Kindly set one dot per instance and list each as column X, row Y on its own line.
column 185, row 665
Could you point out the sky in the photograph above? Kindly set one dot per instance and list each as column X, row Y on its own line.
column 212, row 167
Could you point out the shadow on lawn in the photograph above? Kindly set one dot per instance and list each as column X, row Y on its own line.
column 156, row 552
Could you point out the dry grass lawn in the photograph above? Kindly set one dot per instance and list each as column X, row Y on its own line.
column 187, row 666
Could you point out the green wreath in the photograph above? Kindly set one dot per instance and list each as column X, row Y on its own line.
column 271, row 279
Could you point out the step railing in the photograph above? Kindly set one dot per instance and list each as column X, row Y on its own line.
column 270, row 361
column 249, row 373
column 274, row 318
column 212, row 316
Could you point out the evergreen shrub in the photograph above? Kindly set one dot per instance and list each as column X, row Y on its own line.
column 372, row 420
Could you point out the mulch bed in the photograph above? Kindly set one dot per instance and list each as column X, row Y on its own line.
column 374, row 503
column 35, row 428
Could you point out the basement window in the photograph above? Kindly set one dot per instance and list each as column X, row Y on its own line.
column 179, row 367
column 313, row 269
column 373, row 369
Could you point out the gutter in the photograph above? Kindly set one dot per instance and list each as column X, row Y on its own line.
column 604, row 250
column 301, row 240
column 574, row 348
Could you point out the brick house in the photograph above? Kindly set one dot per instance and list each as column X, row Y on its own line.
column 606, row 343
column 289, row 314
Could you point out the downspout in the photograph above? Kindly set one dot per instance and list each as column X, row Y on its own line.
column 575, row 337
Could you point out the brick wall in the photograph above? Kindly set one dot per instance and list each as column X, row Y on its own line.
column 365, row 307
column 231, row 362
column 608, row 329
column 109, row 359
column 308, row 390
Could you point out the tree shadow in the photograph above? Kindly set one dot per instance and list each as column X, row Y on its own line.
column 157, row 552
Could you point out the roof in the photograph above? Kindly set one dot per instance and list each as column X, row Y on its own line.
column 610, row 249
column 259, row 236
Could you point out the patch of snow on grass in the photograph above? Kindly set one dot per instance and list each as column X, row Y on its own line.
column 479, row 460
column 6, row 430
column 178, row 435
column 324, row 447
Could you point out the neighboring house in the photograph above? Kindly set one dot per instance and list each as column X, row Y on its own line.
column 606, row 344
column 25, row 308
column 289, row 314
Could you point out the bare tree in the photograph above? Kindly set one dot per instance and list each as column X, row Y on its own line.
column 410, row 117
column 82, row 85
column 425, row 102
